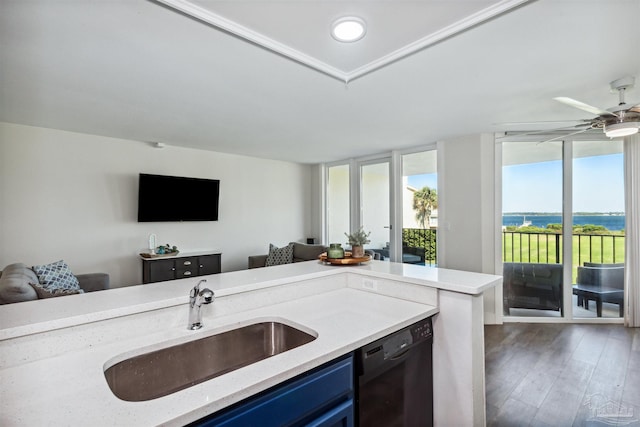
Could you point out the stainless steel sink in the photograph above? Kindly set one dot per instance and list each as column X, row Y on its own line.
column 165, row 371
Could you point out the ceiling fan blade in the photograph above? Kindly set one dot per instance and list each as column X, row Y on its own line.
column 584, row 107
column 537, row 132
column 540, row 121
column 564, row 136
column 635, row 108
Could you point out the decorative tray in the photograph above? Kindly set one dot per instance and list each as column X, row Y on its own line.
column 347, row 260
column 148, row 255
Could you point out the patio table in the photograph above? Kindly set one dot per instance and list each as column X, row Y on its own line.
column 599, row 294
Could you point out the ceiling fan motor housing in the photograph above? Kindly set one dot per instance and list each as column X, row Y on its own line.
column 623, row 83
column 627, row 119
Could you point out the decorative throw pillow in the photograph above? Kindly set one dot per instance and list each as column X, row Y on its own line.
column 278, row 256
column 50, row 293
column 55, row 279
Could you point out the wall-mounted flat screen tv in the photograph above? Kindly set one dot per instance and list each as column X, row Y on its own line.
column 172, row 198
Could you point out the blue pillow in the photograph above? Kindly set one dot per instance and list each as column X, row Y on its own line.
column 56, row 279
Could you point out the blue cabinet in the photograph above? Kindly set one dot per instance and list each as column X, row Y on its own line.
column 319, row 398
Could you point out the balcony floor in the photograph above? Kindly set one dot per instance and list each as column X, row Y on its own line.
column 608, row 311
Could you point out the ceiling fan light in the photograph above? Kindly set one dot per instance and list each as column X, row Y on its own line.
column 348, row 29
column 619, row 130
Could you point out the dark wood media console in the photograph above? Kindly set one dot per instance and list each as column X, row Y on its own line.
column 181, row 266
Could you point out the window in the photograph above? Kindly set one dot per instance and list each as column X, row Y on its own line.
column 359, row 193
column 419, row 207
column 563, row 228
column 338, row 199
column 598, row 234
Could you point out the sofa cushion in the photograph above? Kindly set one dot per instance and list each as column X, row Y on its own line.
column 304, row 252
column 46, row 292
column 91, row 282
column 279, row 256
column 15, row 284
column 55, row 279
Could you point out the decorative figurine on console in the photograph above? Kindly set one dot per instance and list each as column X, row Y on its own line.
column 166, row 250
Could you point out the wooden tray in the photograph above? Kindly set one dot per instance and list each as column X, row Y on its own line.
column 347, row 260
column 148, row 255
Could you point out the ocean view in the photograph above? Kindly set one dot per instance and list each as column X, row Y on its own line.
column 611, row 222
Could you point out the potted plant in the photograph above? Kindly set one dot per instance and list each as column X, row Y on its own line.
column 357, row 240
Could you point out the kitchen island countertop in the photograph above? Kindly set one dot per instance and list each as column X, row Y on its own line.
column 53, row 352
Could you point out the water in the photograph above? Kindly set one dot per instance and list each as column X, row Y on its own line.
column 611, row 222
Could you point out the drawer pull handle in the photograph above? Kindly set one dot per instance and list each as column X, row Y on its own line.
column 187, row 263
column 187, row 273
column 201, row 266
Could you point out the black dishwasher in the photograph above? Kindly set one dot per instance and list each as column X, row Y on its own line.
column 394, row 378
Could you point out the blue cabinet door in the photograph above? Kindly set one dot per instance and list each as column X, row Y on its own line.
column 340, row 416
column 322, row 398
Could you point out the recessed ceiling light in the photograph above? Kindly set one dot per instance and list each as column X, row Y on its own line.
column 348, row 29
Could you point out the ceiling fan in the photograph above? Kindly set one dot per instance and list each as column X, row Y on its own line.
column 619, row 121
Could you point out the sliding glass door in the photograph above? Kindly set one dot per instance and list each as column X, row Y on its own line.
column 598, row 229
column 419, row 208
column 532, row 225
column 375, row 214
column 563, row 229
column 337, row 202
column 394, row 198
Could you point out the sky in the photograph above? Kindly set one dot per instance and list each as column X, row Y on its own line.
column 419, row 181
column 598, row 185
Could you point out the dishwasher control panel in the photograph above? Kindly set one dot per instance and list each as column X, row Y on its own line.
column 422, row 330
column 397, row 343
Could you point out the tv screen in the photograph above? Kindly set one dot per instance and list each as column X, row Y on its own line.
column 172, row 198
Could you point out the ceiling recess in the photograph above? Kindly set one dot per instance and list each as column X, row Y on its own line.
column 206, row 15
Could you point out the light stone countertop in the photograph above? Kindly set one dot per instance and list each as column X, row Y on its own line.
column 52, row 355
column 182, row 255
column 34, row 316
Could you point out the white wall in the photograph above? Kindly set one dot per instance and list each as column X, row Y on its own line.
column 73, row 196
column 467, row 230
column 408, row 214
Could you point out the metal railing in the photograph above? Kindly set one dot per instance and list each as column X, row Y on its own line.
column 420, row 239
column 547, row 248
column 531, row 247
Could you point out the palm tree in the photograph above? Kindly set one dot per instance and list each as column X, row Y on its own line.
column 424, row 201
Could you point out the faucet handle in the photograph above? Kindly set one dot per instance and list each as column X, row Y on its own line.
column 196, row 289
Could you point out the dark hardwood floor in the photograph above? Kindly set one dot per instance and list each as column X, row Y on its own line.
column 562, row 375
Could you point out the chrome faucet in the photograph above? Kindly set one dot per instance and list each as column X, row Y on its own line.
column 198, row 297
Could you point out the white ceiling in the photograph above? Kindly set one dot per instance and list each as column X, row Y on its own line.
column 139, row 70
column 301, row 30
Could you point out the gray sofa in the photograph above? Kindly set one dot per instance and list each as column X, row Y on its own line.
column 533, row 286
column 301, row 252
column 15, row 287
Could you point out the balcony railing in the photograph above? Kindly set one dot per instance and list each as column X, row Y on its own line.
column 415, row 240
column 547, row 248
column 531, row 247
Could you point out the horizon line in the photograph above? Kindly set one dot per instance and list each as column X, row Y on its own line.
column 560, row 213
